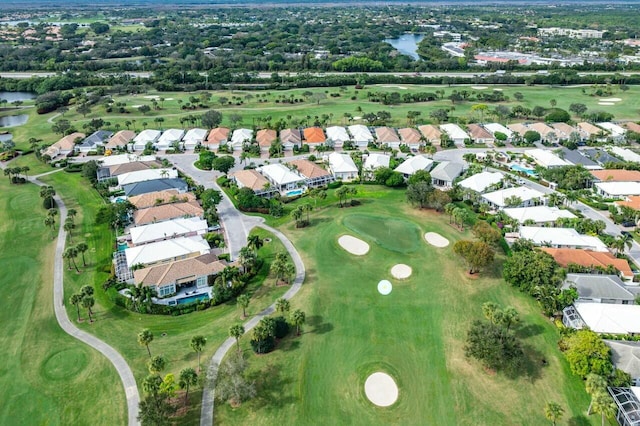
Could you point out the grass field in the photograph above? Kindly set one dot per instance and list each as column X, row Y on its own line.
column 47, row 377
column 416, row 334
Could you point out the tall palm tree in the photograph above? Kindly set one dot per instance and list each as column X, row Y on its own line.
column 87, row 303
column 82, row 248
column 297, row 215
column 603, row 403
column 594, row 384
column 283, row 305
column 553, row 412
column 188, row 378
column 69, row 226
column 70, row 254
column 75, row 300
column 298, row 318
column 236, row 331
column 197, row 344
column 145, row 337
column 47, row 193
column 255, row 242
column 157, row 364
column 72, row 213
column 243, row 300
column 307, row 208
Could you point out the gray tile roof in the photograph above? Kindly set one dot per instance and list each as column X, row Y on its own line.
column 153, row 186
column 447, row 171
column 97, row 137
column 593, row 286
column 576, row 157
column 600, row 156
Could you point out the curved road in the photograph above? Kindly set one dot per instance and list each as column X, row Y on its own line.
column 125, row 373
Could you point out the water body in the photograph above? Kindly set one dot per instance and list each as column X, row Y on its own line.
column 407, row 44
column 13, row 120
column 17, row 96
column 5, row 137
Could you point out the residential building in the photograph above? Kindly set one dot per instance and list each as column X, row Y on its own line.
column 617, row 133
column 625, row 356
column 589, row 131
column 545, row 159
column 455, row 133
column 414, row 164
column 410, row 137
column 169, row 137
column 93, row 141
column 519, row 196
column 518, row 128
column 315, row 175
column 632, row 127
column 480, row 135
column 625, row 154
column 603, row 317
column 577, row 158
column 342, row 166
column 480, row 182
column 338, row 135
column 360, row 135
column 253, row 180
column 590, row 259
column 166, row 251
column 145, row 137
column 218, row 136
column 598, row 288
column 631, row 201
column 561, row 238
column 538, row 215
column 240, row 137
column 548, row 134
column 445, row 173
column 616, row 189
column 193, row 138
column 64, row 146
column 628, row 403
column 114, row 160
column 290, row 138
column 570, row 32
column 164, row 212
column 600, row 156
column 166, row 278
column 616, row 175
column 314, row 136
column 497, row 127
column 431, row 133
column 387, row 136
column 105, row 173
column 120, row 140
column 144, row 187
column 283, row 179
column 564, row 131
column 375, row 161
column 158, row 231
column 168, row 196
column 266, row 138
column 147, row 174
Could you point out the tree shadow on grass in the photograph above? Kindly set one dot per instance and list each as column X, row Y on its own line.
column 317, row 325
column 579, row 421
column 270, row 386
column 532, row 364
column 529, row 330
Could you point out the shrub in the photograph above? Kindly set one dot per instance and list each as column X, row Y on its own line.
column 263, row 346
column 282, row 327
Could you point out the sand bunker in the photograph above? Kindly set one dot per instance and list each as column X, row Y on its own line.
column 479, row 87
column 436, row 239
column 395, row 87
column 381, row 389
column 353, row 245
column 136, row 106
column 168, row 99
column 401, row 271
column 151, row 97
column 606, row 103
column 497, row 90
column 384, row 287
column 610, row 100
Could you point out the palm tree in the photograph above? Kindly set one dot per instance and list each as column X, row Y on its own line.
column 297, row 214
column 553, row 412
column 255, row 242
column 87, row 303
column 75, row 300
column 298, row 318
column 603, row 403
column 145, row 337
column 594, row 384
column 82, row 248
column 70, row 254
column 157, row 364
column 307, row 208
column 243, row 300
column 236, row 331
column 49, row 222
column 72, row 213
column 197, row 344
column 69, row 226
column 283, row 305
column 289, row 271
column 247, row 259
column 47, row 193
column 342, row 193
column 188, row 378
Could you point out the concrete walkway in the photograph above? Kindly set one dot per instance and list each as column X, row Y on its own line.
column 125, row 373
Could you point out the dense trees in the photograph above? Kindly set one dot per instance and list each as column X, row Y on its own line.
column 587, row 353
column 529, row 269
column 495, row 347
column 476, row 254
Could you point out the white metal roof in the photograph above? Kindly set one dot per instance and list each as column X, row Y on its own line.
column 170, row 135
column 481, row 181
column 497, row 127
column 241, row 136
column 561, row 237
column 360, row 133
column 195, row 135
column 414, row 164
column 341, row 163
column 114, row 160
column 538, row 214
column 525, row 194
column 167, row 229
column 147, row 135
column 375, row 161
column 144, row 175
column 609, row 317
column 616, row 131
column 625, row 154
column 337, row 133
column 280, row 174
column 545, row 158
column 164, row 250
column 454, row 131
column 619, row 188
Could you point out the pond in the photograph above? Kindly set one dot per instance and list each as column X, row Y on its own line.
column 406, row 44
column 5, row 137
column 13, row 120
column 17, row 96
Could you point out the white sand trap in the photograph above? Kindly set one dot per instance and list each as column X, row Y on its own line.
column 353, row 245
column 168, row 99
column 136, row 106
column 381, row 389
column 479, row 87
column 384, row 287
column 606, row 103
column 357, row 118
column 395, row 87
column 497, row 90
column 151, row 97
column 401, row 271
column 436, row 239
column 610, row 100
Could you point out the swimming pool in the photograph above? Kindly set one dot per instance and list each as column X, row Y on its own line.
column 519, row 168
column 294, row 192
column 192, row 299
column 122, row 246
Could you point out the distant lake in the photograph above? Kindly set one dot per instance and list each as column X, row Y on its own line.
column 406, row 44
column 6, row 137
column 13, row 120
column 17, row 96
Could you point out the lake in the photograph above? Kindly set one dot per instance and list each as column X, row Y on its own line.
column 5, row 137
column 13, row 120
column 17, row 96
column 406, row 44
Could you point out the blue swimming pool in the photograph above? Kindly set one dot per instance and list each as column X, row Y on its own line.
column 294, row 192
column 122, row 246
column 192, row 299
column 519, row 168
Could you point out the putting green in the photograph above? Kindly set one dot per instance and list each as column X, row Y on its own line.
column 392, row 234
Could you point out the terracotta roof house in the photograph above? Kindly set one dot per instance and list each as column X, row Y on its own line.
column 64, row 146
column 633, row 127
column 547, row 133
column 518, row 128
column 410, row 137
column 253, row 180
column 616, row 175
column 290, row 138
column 563, row 130
column 431, row 133
column 157, row 198
column 479, row 134
column 314, row 136
column 314, row 174
column 120, row 139
column 590, row 131
column 167, row 212
column 632, row 201
column 218, row 136
column 387, row 136
column 588, row 258
column 167, row 278
column 266, row 137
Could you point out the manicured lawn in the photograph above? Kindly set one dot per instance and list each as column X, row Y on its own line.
column 120, row 327
column 416, row 334
column 47, row 377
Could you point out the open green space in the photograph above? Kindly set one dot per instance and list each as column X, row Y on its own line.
column 416, row 334
column 393, row 234
column 47, row 377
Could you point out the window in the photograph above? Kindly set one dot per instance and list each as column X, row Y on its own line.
column 201, row 282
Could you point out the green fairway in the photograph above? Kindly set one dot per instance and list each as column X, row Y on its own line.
column 415, row 334
column 47, row 377
column 393, row 234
